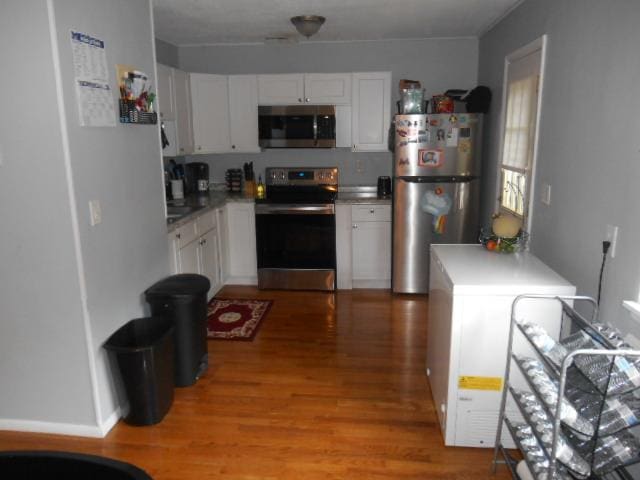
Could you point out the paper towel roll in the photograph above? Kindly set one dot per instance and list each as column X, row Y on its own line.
column 523, row 471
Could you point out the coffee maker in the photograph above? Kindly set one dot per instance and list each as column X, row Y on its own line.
column 196, row 176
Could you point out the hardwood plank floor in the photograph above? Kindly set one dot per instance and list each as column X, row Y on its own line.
column 332, row 387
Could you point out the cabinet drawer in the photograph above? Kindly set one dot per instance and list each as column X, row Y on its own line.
column 206, row 222
column 371, row 213
column 186, row 234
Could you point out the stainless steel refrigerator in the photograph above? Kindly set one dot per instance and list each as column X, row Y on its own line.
column 435, row 191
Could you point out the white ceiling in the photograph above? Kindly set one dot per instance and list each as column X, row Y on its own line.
column 201, row 22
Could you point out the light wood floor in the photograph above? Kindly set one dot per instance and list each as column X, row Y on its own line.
column 332, row 387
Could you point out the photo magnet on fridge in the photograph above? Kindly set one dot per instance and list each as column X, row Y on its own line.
column 432, row 157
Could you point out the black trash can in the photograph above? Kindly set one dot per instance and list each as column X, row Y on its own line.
column 143, row 350
column 183, row 299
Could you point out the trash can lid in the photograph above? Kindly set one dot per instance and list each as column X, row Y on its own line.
column 183, row 284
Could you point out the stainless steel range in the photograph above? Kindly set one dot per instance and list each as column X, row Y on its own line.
column 296, row 229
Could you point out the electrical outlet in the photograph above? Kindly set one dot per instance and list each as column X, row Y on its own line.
column 545, row 195
column 359, row 165
column 612, row 236
column 95, row 212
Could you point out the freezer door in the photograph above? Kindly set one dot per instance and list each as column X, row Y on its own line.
column 438, row 145
column 414, row 230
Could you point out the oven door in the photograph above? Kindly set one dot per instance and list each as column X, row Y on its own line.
column 296, row 246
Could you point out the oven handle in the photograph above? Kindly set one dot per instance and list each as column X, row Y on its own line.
column 293, row 209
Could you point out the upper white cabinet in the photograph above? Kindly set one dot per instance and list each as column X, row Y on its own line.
column 243, row 113
column 327, row 88
column 210, row 108
column 166, row 93
column 225, row 113
column 371, row 111
column 280, row 89
column 184, row 126
column 311, row 88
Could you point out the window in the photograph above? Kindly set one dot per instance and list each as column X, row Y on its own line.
column 522, row 80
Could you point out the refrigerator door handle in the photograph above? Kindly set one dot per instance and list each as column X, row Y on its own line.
column 463, row 193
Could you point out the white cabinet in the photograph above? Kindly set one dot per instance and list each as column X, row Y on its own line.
column 243, row 113
column 344, row 228
column 241, row 224
column 327, row 88
column 184, row 126
column 311, row 88
column 225, row 113
column 210, row 109
column 223, row 242
column 194, row 248
column 280, row 89
column 470, row 295
column 166, row 93
column 371, row 111
column 371, row 245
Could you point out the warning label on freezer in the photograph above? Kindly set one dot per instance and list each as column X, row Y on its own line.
column 466, row 382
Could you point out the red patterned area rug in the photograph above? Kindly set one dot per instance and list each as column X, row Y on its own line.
column 235, row 318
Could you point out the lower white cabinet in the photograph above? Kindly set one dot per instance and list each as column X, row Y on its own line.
column 194, row 248
column 363, row 246
column 242, row 261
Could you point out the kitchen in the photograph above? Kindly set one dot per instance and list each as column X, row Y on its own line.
column 93, row 277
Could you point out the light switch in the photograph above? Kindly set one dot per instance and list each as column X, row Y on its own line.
column 545, row 195
column 95, row 212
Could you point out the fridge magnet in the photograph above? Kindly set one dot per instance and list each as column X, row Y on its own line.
column 403, row 161
column 453, row 119
column 440, row 135
column 402, row 132
column 464, row 147
column 423, row 138
column 463, row 119
column 435, row 122
column 403, row 143
column 437, row 203
column 452, row 137
column 430, row 158
column 465, row 132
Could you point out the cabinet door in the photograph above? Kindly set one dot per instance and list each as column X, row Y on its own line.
column 223, row 250
column 241, row 222
column 184, row 127
column 189, row 258
column 327, row 88
column 372, row 251
column 243, row 113
column 371, row 111
column 209, row 262
column 210, row 107
column 280, row 89
column 343, row 246
column 174, row 255
column 166, row 100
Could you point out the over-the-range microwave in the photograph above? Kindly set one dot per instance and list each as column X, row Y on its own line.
column 297, row 126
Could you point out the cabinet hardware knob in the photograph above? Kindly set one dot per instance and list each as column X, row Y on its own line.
column 307, row 99
column 355, row 226
column 372, row 211
column 300, row 100
column 233, row 146
column 178, row 236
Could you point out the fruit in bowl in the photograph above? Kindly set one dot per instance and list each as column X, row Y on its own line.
column 506, row 234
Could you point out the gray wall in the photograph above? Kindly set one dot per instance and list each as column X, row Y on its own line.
column 44, row 367
column 166, row 53
column 121, row 167
column 439, row 64
column 67, row 286
column 589, row 143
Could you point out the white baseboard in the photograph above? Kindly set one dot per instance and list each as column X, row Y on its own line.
column 77, row 430
column 384, row 283
column 242, row 281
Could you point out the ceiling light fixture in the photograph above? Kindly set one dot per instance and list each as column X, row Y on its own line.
column 308, row 25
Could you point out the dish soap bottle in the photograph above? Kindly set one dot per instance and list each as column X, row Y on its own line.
column 260, row 190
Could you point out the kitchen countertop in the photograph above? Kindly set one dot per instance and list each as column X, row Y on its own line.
column 353, row 194
column 350, row 194
column 203, row 203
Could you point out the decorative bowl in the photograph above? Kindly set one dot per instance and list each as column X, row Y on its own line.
column 497, row 244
